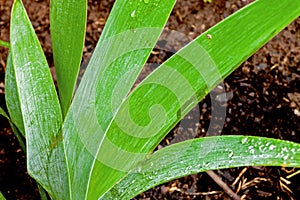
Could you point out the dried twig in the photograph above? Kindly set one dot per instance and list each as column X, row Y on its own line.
column 293, row 174
column 203, row 193
column 240, row 175
column 223, row 185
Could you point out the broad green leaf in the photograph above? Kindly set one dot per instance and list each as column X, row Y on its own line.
column 172, row 90
column 67, row 22
column 129, row 36
column 203, row 154
column 39, row 105
column 12, row 97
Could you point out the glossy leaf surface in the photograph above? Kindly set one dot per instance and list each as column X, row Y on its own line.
column 165, row 96
column 12, row 97
column 172, row 90
column 203, row 154
column 109, row 136
column 67, row 22
column 130, row 33
column 39, row 106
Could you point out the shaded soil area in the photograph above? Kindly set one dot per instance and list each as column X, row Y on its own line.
column 263, row 99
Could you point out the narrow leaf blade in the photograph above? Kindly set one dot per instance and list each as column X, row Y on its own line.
column 1, row 196
column 15, row 130
column 68, row 23
column 12, row 97
column 4, row 44
column 39, row 105
column 130, row 34
column 202, row 154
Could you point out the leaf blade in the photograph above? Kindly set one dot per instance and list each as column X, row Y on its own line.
column 68, row 23
column 4, row 44
column 11, row 97
column 127, row 56
column 203, row 154
column 39, row 105
column 15, row 130
column 166, row 95
column 186, row 64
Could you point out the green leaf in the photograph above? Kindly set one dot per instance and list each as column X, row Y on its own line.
column 3, row 113
column 12, row 97
column 129, row 36
column 15, row 130
column 67, row 22
column 20, row 139
column 40, row 107
column 42, row 192
column 172, row 90
column 4, row 44
column 203, row 154
column 1, row 196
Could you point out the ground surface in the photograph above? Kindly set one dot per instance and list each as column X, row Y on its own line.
column 264, row 100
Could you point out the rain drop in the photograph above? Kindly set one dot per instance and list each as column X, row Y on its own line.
column 272, row 147
column 293, row 151
column 244, row 140
column 139, row 169
column 146, row 1
column 284, row 149
column 188, row 168
column 132, row 14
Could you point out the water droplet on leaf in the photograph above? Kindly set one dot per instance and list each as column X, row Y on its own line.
column 272, row 147
column 133, row 13
column 230, row 154
column 244, row 140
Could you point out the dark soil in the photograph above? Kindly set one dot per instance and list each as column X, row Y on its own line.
column 264, row 100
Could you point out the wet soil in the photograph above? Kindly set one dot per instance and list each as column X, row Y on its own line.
column 263, row 99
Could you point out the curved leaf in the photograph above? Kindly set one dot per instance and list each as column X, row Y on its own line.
column 203, row 154
column 39, row 106
column 1, row 196
column 12, row 98
column 172, row 90
column 67, row 22
column 130, row 34
column 15, row 130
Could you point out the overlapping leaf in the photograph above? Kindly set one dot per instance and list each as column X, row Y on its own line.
column 165, row 96
column 39, row 106
column 68, row 22
column 130, row 34
column 203, row 154
column 12, row 97
column 105, row 134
